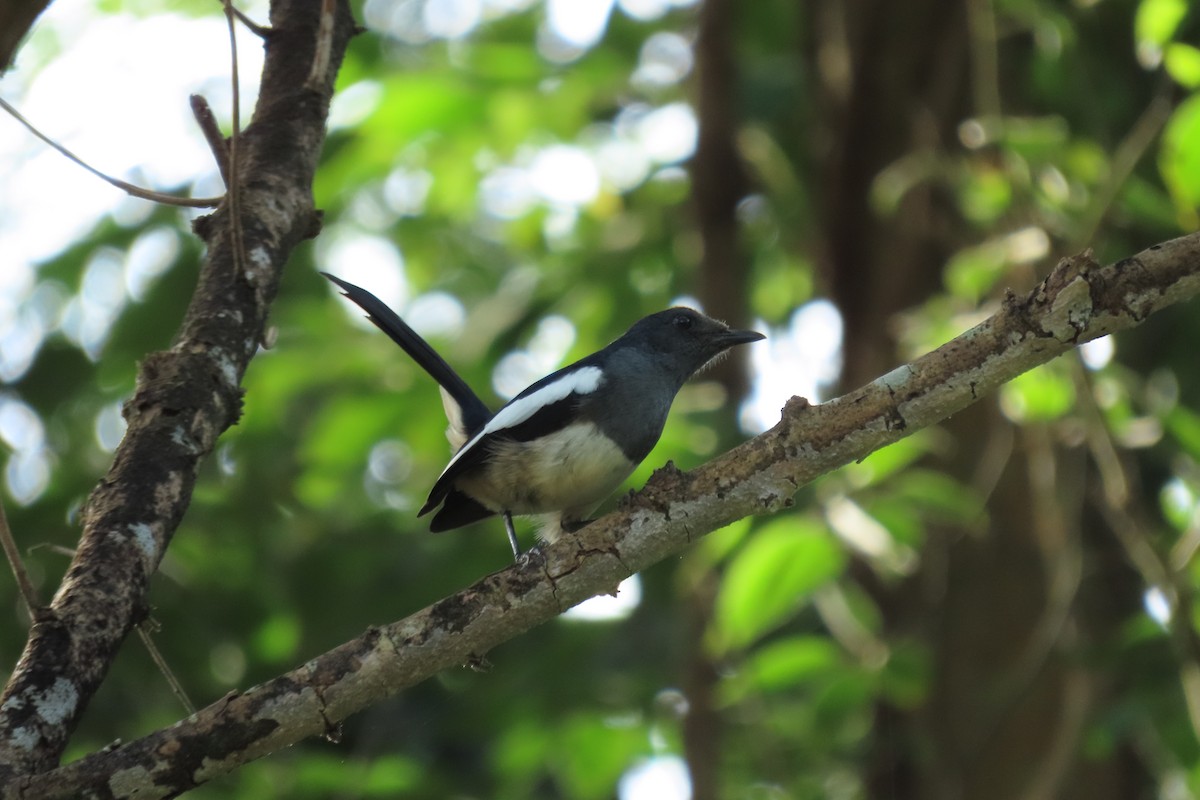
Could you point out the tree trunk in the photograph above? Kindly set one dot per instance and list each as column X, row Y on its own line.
column 1002, row 610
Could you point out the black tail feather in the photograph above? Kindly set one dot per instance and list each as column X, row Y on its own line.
column 475, row 413
column 457, row 510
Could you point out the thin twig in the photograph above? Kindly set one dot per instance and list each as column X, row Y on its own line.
column 28, row 592
column 320, row 65
column 128, row 188
column 57, row 549
column 212, row 134
column 261, row 31
column 161, row 663
column 143, row 628
column 233, row 183
column 1127, row 155
column 1125, row 515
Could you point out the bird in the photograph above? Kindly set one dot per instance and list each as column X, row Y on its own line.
column 560, row 447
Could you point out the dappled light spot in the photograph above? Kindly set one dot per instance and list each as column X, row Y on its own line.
column 667, row 134
column 22, row 333
column 507, row 193
column 1157, row 606
column 109, row 427
column 665, row 59
column 88, row 317
column 451, row 19
column 436, row 314
column 648, row 10
column 150, row 255
column 367, row 260
column 390, row 462
column 662, row 777
column 546, row 352
column 801, row 359
column 27, row 476
column 572, row 26
column 227, row 662
column 21, row 428
column 607, row 608
column 350, row 106
column 27, row 473
column 1097, row 353
column 622, row 162
column 565, row 175
column 406, row 190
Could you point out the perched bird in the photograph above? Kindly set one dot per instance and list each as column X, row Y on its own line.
column 561, row 446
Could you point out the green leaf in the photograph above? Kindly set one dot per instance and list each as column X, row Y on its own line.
column 772, row 576
column 887, row 461
column 592, row 754
column 792, row 661
column 1179, row 159
column 938, row 495
column 1184, row 425
column 986, row 195
column 1157, row 20
column 1039, row 395
column 278, row 638
column 1182, row 62
column 390, row 776
column 973, row 271
column 895, row 513
column 1177, row 502
column 715, row 547
column 906, row 675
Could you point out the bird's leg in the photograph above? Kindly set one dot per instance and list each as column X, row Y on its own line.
column 572, row 525
column 512, row 536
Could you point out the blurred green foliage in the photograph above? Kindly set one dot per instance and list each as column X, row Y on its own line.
column 302, row 530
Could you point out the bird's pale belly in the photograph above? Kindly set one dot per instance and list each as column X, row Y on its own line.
column 570, row 471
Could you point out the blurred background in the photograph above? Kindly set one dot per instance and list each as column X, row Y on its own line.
column 1001, row 607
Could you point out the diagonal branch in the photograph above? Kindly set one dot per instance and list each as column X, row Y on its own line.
column 125, row 186
column 1077, row 302
column 185, row 398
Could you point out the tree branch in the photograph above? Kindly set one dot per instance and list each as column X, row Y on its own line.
column 1077, row 302
column 185, row 398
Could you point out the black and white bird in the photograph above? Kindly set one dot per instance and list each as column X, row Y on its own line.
column 561, row 446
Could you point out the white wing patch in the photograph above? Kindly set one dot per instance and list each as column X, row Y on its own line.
column 457, row 431
column 581, row 381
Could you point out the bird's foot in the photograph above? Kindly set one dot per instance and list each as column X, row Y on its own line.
column 531, row 557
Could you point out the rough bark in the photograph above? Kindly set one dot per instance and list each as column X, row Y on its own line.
column 1077, row 302
column 185, row 397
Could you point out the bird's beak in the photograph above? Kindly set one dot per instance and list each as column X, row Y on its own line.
column 734, row 338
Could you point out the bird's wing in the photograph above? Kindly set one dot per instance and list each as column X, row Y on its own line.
column 465, row 411
column 543, row 408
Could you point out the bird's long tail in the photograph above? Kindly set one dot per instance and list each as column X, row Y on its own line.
column 458, row 398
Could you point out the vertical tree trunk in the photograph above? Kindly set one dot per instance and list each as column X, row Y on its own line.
column 186, row 396
column 719, row 184
column 1001, row 610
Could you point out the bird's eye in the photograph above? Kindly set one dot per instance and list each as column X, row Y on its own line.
column 683, row 322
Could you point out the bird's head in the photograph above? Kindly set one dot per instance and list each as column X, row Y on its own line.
column 683, row 340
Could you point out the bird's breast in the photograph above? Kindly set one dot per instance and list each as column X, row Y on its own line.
column 570, row 470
